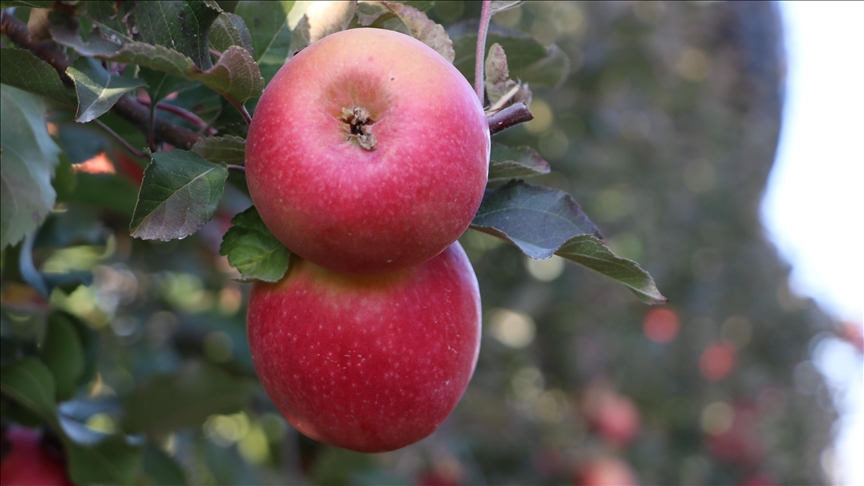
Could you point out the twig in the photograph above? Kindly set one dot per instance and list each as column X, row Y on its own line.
column 128, row 146
column 479, row 64
column 215, row 53
column 508, row 117
column 184, row 114
column 126, row 107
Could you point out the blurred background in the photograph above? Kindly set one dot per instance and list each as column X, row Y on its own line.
column 666, row 131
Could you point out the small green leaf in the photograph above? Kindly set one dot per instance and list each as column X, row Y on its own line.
column 97, row 89
column 112, row 461
column 423, row 29
column 29, row 157
column 512, row 162
column 253, row 250
column 178, row 196
column 230, row 30
column 22, row 69
column 228, row 149
column 502, row 5
column 30, row 383
column 63, row 354
column 268, row 24
column 528, row 61
column 184, row 399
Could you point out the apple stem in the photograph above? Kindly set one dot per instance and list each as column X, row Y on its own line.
column 485, row 16
column 508, row 117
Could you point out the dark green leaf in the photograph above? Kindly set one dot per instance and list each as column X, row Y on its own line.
column 30, row 383
column 228, row 149
column 253, row 250
column 160, row 468
column 184, row 399
column 161, row 84
column 179, row 26
column 423, row 29
column 268, row 24
column 502, row 5
column 178, row 196
column 29, row 157
column 22, row 69
column 230, row 30
column 27, row 3
column 112, row 461
column 97, row 89
column 512, row 162
column 528, row 60
column 63, row 354
column 107, row 191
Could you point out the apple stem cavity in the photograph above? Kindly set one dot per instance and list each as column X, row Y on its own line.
column 358, row 123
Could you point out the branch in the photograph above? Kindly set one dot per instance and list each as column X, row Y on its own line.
column 479, row 64
column 126, row 107
column 508, row 117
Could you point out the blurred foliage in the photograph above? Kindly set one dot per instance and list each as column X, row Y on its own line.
column 664, row 131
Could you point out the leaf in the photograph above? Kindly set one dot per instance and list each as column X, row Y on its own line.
column 111, row 461
column 29, row 382
column 63, row 354
column 230, row 30
column 269, row 30
column 423, row 29
column 184, row 399
column 27, row 3
column 180, row 26
column 29, row 157
column 236, row 76
column 228, row 149
column 106, row 191
column 511, row 162
column 160, row 468
column 179, row 194
column 502, row 5
column 321, row 19
column 253, row 250
column 97, row 89
column 22, row 69
column 500, row 89
column 160, row 84
column 528, row 61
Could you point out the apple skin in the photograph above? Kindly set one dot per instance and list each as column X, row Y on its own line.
column 28, row 463
column 371, row 363
column 360, row 211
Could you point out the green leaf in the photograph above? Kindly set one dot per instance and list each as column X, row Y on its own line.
column 184, row 399
column 112, row 461
column 178, row 196
column 236, row 76
column 63, row 354
column 29, row 157
column 97, row 89
column 160, row 468
column 268, row 23
column 22, row 69
column 27, row 3
column 228, row 149
column 253, row 250
column 528, row 60
column 30, row 383
column 230, row 30
column 502, row 5
column 423, row 29
column 106, row 191
column 161, row 84
column 500, row 89
column 511, row 162
column 180, row 26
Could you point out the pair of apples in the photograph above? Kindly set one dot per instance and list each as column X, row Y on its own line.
column 368, row 157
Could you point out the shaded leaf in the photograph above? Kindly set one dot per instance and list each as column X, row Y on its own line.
column 160, row 468
column 30, row 383
column 112, row 461
column 500, row 89
column 510, row 162
column 160, row 84
column 106, row 191
column 178, row 196
column 423, row 29
column 22, row 69
column 180, row 26
column 228, row 149
column 253, row 250
column 319, row 20
column 502, row 5
column 268, row 26
column 184, row 399
column 29, row 157
column 528, row 61
column 97, row 89
column 230, row 30
column 63, row 354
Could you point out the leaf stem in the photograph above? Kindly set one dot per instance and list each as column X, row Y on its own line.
column 182, row 113
column 128, row 146
column 479, row 63
column 508, row 117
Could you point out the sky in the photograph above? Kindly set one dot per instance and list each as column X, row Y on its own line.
column 814, row 204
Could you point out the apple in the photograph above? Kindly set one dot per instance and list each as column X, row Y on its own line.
column 606, row 471
column 27, row 462
column 614, row 416
column 368, row 152
column 371, row 363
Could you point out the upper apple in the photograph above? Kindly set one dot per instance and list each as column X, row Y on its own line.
column 368, row 152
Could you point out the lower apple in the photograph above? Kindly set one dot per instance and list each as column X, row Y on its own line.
column 28, row 462
column 370, row 363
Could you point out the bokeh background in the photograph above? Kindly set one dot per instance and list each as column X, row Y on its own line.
column 665, row 131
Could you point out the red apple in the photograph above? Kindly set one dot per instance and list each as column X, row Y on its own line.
column 27, row 462
column 370, row 363
column 606, row 471
column 368, row 152
column 614, row 416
